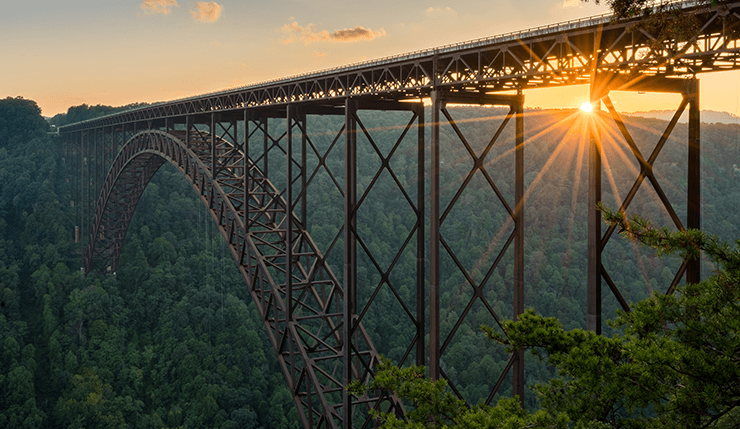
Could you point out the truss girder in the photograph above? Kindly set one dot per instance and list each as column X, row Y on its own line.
column 304, row 324
column 562, row 54
column 597, row 242
column 511, row 243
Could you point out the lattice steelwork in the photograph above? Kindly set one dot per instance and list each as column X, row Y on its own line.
column 514, row 242
column 301, row 307
column 250, row 155
column 561, row 54
column 600, row 89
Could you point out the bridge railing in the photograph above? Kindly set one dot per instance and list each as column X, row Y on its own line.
column 489, row 40
column 590, row 21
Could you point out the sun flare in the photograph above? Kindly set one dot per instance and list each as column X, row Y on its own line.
column 587, row 107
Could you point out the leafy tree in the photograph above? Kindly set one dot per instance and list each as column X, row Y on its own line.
column 84, row 112
column 676, row 364
column 20, row 121
column 91, row 403
column 664, row 19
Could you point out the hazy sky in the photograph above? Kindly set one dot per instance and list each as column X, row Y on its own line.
column 115, row 52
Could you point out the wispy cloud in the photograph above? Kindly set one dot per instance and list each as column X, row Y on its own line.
column 443, row 10
column 310, row 34
column 158, row 6
column 357, row 33
column 571, row 3
column 207, row 11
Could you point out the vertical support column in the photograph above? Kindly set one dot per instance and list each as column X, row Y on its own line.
column 518, row 375
column 213, row 146
column 77, row 182
column 420, row 238
column 86, row 211
column 68, row 171
column 593, row 285
column 233, row 124
column 107, row 154
column 188, row 125
column 350, row 250
column 245, row 164
column 95, row 154
column 434, row 340
column 81, row 194
column 99, row 162
column 289, row 117
column 304, row 169
column 266, row 142
column 693, row 210
column 107, row 151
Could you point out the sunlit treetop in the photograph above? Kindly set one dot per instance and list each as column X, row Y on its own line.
column 664, row 19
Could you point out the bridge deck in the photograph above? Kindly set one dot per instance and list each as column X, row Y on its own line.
column 555, row 55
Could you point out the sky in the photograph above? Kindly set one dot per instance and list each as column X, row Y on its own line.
column 117, row 52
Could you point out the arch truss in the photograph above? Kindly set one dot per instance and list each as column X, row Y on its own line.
column 301, row 303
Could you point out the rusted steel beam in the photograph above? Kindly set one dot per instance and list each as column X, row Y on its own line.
column 518, row 369
column 593, row 277
column 689, row 89
column 693, row 209
column 420, row 241
column 350, row 248
column 434, row 236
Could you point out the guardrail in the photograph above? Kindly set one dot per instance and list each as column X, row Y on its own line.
column 501, row 38
column 505, row 37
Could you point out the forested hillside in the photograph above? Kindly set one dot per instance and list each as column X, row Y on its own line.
column 171, row 340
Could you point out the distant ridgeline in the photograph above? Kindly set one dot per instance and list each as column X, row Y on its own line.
column 84, row 112
column 172, row 340
column 707, row 116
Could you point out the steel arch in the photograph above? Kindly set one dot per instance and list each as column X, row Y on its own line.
column 305, row 326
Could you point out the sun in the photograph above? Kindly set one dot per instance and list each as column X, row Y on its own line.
column 587, row 107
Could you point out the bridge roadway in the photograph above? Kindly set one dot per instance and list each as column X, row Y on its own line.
column 225, row 143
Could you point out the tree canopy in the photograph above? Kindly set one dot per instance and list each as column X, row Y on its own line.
column 84, row 112
column 664, row 20
column 20, row 121
column 632, row 8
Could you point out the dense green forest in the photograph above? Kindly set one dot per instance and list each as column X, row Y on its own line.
column 171, row 340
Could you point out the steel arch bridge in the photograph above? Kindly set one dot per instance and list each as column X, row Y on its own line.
column 301, row 308
column 227, row 145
